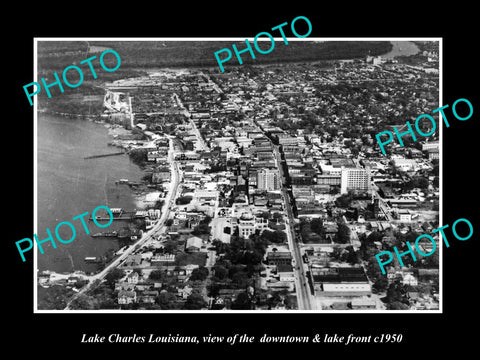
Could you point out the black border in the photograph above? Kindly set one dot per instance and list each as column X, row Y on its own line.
column 425, row 332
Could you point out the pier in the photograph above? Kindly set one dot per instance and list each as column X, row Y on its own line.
column 124, row 216
column 103, row 155
column 118, row 214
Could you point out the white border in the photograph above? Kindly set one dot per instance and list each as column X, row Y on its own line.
column 227, row 312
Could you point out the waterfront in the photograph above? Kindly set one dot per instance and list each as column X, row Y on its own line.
column 69, row 185
column 401, row 48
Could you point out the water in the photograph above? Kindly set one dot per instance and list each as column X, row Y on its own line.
column 68, row 186
column 401, row 48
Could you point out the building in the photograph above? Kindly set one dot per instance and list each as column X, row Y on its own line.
column 246, row 225
column 405, row 164
column 404, row 215
column 279, row 258
column 346, row 289
column 285, row 273
column 339, row 276
column 193, row 244
column 133, row 278
column 431, row 145
column 328, row 179
column 355, row 179
column 268, row 179
column 363, row 304
column 126, row 297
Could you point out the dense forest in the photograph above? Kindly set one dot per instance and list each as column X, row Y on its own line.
column 201, row 53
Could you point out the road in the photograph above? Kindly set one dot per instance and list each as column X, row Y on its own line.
column 158, row 228
column 383, row 206
column 301, row 281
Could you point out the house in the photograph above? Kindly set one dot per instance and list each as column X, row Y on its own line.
column 133, row 278
column 193, row 244
column 409, row 279
column 147, row 299
column 127, row 297
column 185, row 292
column 119, row 286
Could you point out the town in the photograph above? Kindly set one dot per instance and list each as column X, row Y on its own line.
column 273, row 192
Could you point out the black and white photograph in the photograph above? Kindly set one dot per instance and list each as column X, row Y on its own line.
column 214, row 181
column 260, row 187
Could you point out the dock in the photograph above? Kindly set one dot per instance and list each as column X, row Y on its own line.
column 126, row 216
column 103, row 155
column 118, row 214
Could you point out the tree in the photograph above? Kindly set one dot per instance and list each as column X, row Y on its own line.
column 170, row 246
column 157, row 275
column 242, row 302
column 53, row 298
column 241, row 279
column 166, row 300
column 277, row 236
column 220, row 272
column 220, row 246
column 138, row 156
column 350, row 256
column 317, row 226
column 397, row 305
column 114, row 275
column 396, row 293
column 277, row 216
column 147, row 177
column 274, row 300
column 82, row 302
column 344, row 200
column 201, row 229
column 343, row 234
column 195, row 301
column 380, row 284
column 183, row 200
column 199, row 274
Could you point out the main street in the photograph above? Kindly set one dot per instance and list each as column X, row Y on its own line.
column 157, row 229
column 301, row 282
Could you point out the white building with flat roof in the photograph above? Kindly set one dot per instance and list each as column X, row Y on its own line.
column 354, row 179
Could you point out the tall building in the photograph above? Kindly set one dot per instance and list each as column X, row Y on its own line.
column 268, row 179
column 356, row 179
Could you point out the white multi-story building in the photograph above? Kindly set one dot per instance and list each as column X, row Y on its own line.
column 355, row 179
column 431, row 145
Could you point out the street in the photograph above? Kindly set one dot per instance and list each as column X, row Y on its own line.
column 301, row 281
